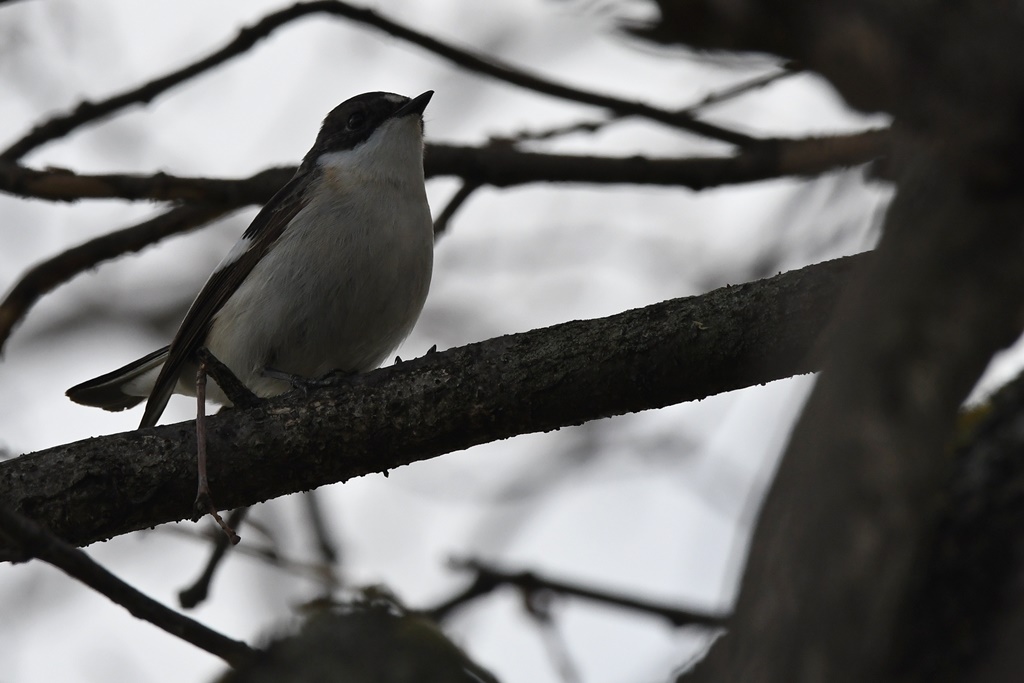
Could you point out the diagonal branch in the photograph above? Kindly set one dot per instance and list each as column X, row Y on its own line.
column 452, row 207
column 709, row 100
column 667, row 353
column 87, row 112
column 48, row 275
column 31, row 540
column 488, row 578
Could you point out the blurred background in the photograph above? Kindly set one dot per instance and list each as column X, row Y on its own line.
column 654, row 505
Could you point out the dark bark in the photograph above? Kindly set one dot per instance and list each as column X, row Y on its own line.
column 675, row 351
column 845, row 535
column 498, row 165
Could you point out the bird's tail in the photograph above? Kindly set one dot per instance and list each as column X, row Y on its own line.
column 122, row 388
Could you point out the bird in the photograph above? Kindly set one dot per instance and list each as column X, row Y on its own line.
column 330, row 276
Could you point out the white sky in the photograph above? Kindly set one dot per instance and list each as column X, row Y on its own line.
column 655, row 505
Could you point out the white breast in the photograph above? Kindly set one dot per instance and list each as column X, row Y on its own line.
column 345, row 282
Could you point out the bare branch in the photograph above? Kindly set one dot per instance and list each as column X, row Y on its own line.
column 31, row 540
column 87, row 112
column 498, row 165
column 503, row 166
column 62, row 185
column 596, row 125
column 667, row 353
column 756, row 83
column 489, row 578
column 46, row 276
column 198, row 591
column 328, row 550
column 267, row 554
column 454, row 204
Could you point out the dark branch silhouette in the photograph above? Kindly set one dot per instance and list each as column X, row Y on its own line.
column 28, row 540
column 199, row 589
column 63, row 185
column 87, row 112
column 48, row 275
column 498, row 165
column 710, row 99
column 454, row 204
column 488, row 578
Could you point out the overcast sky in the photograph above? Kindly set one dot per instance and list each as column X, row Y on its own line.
column 655, row 504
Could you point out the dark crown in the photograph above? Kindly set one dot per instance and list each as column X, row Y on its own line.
column 354, row 120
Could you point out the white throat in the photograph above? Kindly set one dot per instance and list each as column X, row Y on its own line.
column 394, row 153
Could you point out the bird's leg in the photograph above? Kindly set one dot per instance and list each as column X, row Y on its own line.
column 304, row 384
column 204, row 502
column 239, row 394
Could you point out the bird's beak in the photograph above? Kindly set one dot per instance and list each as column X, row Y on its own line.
column 415, row 106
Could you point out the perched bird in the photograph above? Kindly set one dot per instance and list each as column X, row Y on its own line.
column 330, row 276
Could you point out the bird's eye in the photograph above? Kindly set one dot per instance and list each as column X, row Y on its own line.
column 356, row 121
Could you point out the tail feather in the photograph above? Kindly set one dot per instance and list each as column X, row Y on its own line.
column 122, row 388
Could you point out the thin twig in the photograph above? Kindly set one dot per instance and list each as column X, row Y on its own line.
column 46, row 276
column 556, row 647
column 200, row 588
column 34, row 541
column 489, row 578
column 263, row 553
column 321, row 534
column 595, row 125
column 87, row 112
column 516, row 76
column 454, row 204
column 743, row 88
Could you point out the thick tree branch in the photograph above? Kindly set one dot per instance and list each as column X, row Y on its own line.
column 964, row 618
column 675, row 351
column 845, row 534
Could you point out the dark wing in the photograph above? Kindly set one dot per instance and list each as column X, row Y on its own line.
column 261, row 233
column 106, row 392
